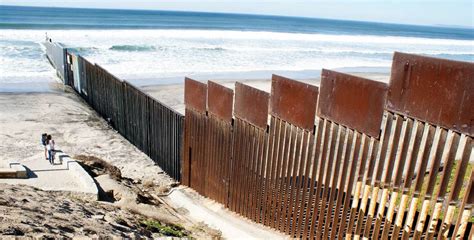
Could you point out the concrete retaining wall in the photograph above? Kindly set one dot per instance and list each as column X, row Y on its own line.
column 90, row 190
column 15, row 170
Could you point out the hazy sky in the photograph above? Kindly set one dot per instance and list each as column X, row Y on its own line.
column 422, row 12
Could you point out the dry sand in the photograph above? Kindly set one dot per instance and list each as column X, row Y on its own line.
column 76, row 128
column 79, row 131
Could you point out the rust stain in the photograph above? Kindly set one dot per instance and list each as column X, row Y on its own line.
column 435, row 90
column 293, row 101
column 220, row 101
column 195, row 95
column 355, row 102
column 251, row 105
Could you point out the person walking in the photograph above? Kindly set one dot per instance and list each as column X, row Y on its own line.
column 50, row 148
column 44, row 140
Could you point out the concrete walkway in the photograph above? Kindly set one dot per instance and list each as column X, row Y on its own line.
column 65, row 176
column 215, row 215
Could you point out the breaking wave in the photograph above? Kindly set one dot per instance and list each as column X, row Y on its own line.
column 175, row 53
column 133, row 48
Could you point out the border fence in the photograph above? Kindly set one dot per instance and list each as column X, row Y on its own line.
column 352, row 158
column 153, row 127
column 150, row 125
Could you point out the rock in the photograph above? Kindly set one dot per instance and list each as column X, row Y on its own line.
column 120, row 227
column 47, row 237
column 89, row 231
column 66, row 229
column 57, row 215
column 98, row 217
column 122, row 222
column 109, row 218
column 15, row 231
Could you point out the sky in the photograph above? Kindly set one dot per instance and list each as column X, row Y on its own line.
column 418, row 12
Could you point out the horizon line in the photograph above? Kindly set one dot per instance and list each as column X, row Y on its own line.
column 252, row 14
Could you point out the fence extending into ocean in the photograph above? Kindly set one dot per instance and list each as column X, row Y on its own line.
column 153, row 127
column 56, row 55
column 352, row 158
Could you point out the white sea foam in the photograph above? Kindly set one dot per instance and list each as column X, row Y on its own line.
column 176, row 53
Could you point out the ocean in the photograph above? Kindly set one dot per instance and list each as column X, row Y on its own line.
column 152, row 47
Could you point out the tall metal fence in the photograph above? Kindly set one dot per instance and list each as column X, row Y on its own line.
column 353, row 158
column 150, row 125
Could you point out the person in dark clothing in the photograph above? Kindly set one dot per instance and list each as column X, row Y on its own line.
column 44, row 141
column 50, row 148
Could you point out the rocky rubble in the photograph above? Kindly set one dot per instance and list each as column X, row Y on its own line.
column 27, row 212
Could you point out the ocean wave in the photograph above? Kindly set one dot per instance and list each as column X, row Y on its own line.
column 16, row 42
column 163, row 53
column 133, row 48
column 273, row 36
column 225, row 35
column 332, row 50
column 82, row 50
column 209, row 48
column 343, row 51
column 151, row 48
column 22, row 52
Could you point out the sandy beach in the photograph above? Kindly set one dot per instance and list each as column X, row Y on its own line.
column 82, row 134
column 76, row 128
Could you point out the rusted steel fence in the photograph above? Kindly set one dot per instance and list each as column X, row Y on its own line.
column 353, row 158
column 151, row 126
column 195, row 126
column 250, row 145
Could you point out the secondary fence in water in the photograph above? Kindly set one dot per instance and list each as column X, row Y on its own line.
column 56, row 55
column 353, row 158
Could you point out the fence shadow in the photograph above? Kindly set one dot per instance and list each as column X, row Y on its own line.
column 30, row 173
